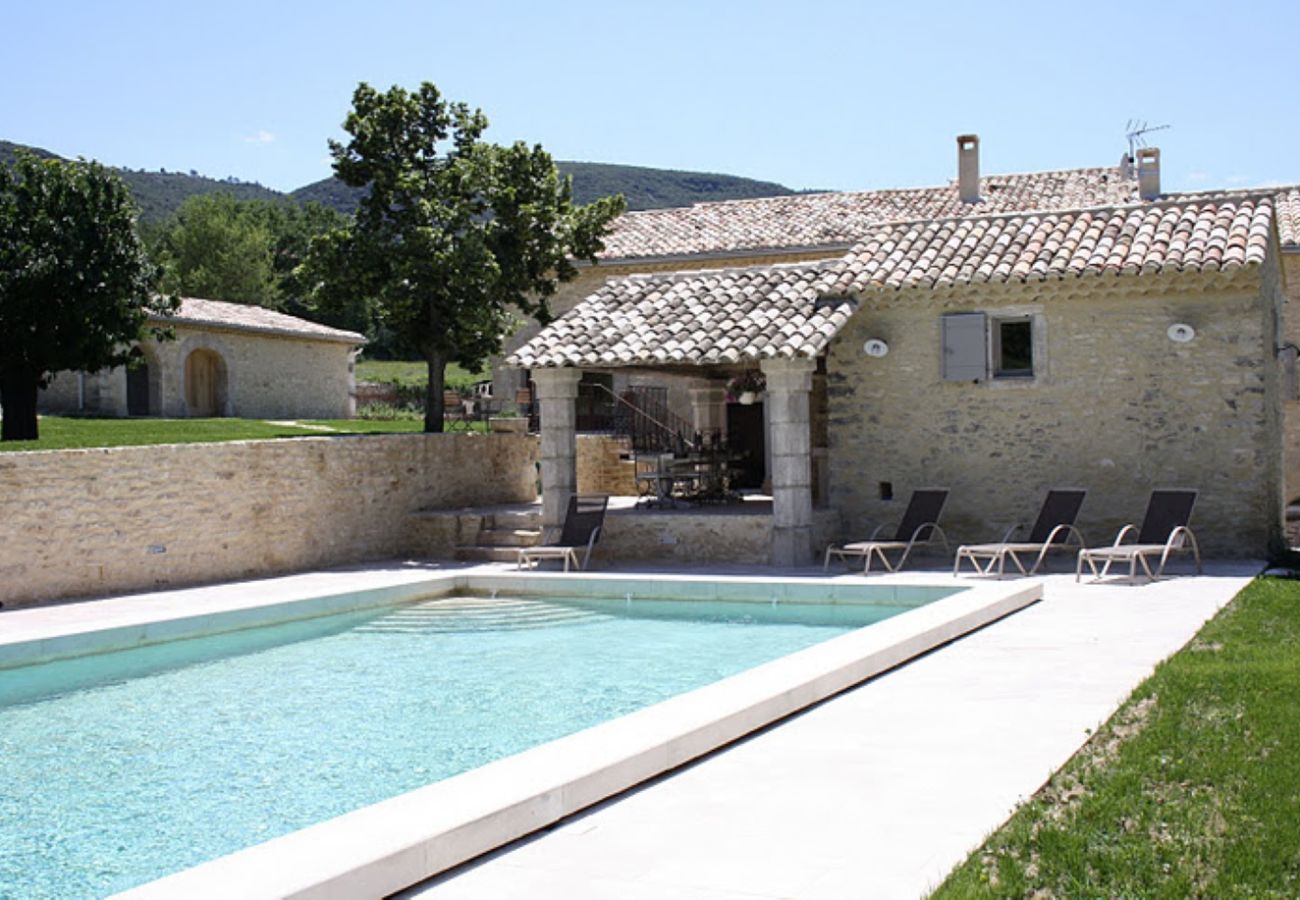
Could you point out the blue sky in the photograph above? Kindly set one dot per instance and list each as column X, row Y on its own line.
column 811, row 94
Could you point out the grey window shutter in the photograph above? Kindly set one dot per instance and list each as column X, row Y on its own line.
column 965, row 355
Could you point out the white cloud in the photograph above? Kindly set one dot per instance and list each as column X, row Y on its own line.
column 1198, row 177
column 1238, row 180
column 260, row 137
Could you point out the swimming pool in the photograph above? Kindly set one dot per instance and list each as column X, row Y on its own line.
column 121, row 767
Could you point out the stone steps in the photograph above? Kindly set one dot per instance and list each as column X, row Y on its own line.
column 509, row 537
column 481, row 553
column 501, row 535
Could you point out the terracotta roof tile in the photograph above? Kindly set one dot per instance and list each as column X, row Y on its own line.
column 719, row 316
column 242, row 317
column 1288, row 217
column 829, row 219
column 1207, row 233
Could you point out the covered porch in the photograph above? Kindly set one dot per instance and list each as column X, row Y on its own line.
column 699, row 330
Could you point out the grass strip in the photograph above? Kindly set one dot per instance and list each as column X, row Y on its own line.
column 75, row 432
column 1192, row 789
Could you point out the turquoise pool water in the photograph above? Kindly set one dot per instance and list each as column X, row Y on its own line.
column 122, row 767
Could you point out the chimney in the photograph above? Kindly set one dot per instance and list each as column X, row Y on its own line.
column 1149, row 173
column 968, row 168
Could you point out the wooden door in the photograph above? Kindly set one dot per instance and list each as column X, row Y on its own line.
column 202, row 384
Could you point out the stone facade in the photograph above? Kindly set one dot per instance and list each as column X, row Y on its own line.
column 602, row 466
column 82, row 522
column 260, row 376
column 1113, row 406
column 1291, row 379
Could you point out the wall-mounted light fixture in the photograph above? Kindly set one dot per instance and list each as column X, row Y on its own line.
column 875, row 347
column 1181, row 333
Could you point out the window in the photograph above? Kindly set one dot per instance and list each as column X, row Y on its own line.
column 1013, row 348
column 977, row 346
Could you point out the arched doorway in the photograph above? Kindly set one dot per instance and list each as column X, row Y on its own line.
column 205, row 384
column 137, row 384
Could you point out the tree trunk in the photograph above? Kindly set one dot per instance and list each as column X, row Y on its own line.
column 18, row 400
column 433, row 400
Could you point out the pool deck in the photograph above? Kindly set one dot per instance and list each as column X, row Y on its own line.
column 877, row 792
column 881, row 791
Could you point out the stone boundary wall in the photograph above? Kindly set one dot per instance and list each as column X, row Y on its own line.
column 104, row 521
column 601, row 468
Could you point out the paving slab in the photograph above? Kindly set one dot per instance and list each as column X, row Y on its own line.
column 882, row 790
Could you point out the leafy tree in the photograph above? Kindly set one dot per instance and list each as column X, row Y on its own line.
column 219, row 249
column 244, row 251
column 76, row 286
column 453, row 232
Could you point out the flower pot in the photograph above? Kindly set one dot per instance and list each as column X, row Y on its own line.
column 748, row 398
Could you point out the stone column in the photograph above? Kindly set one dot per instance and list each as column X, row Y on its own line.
column 709, row 409
column 789, row 386
column 557, row 389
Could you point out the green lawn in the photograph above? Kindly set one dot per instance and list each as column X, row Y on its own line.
column 61, row 433
column 1192, row 789
column 414, row 374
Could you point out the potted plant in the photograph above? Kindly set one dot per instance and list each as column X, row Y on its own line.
column 747, row 386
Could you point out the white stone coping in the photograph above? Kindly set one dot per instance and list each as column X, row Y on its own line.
column 398, row 842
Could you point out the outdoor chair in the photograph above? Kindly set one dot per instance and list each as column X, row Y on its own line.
column 453, row 411
column 583, row 522
column 1053, row 530
column 1164, row 532
column 920, row 525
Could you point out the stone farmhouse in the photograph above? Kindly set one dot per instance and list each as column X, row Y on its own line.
column 998, row 335
column 227, row 359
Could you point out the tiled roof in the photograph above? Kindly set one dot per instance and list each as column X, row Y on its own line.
column 242, row 317
column 830, row 219
column 1288, row 217
column 1207, row 233
column 709, row 317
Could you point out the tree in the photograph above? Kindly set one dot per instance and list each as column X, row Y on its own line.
column 452, row 232
column 244, row 251
column 220, row 249
column 76, row 287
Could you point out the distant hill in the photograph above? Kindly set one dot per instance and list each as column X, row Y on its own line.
column 644, row 188
column 160, row 194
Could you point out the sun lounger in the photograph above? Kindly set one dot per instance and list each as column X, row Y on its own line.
column 583, row 521
column 920, row 525
column 1164, row 532
column 1053, row 530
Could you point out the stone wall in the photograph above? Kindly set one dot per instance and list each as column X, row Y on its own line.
column 1290, row 400
column 690, row 536
column 1114, row 407
column 82, row 522
column 266, row 377
column 602, row 468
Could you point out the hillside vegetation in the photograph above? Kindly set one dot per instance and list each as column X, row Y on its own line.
column 643, row 188
column 160, row 194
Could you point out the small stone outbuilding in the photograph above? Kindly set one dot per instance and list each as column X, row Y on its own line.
column 227, row 359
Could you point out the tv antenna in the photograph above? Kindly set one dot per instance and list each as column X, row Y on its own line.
column 1136, row 130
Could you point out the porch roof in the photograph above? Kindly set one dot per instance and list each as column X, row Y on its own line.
column 711, row 317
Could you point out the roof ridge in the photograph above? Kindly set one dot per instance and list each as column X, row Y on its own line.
column 1165, row 201
column 687, row 274
column 709, row 204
